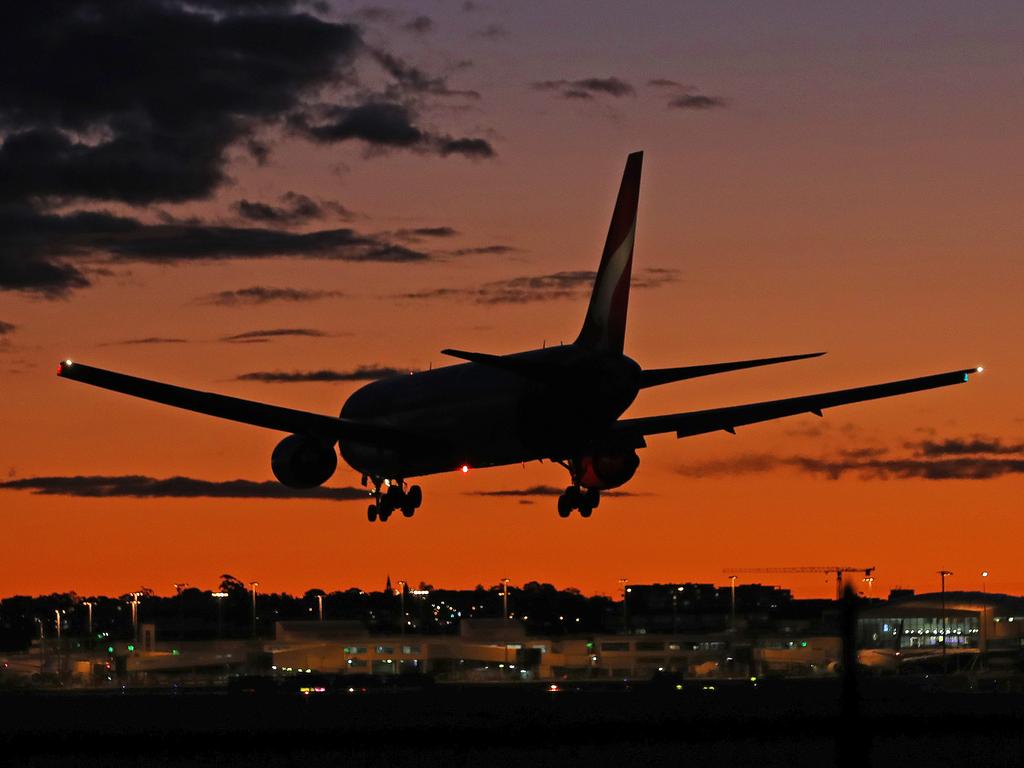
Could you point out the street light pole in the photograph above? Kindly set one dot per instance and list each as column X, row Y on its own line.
column 942, row 575
column 135, row 615
column 181, row 609
column 401, row 600
column 504, row 599
column 984, row 575
column 253, row 585
column 219, row 597
column 625, row 607
column 732, row 611
column 320, row 606
column 88, row 605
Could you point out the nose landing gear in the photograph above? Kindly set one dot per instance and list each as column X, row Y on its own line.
column 395, row 498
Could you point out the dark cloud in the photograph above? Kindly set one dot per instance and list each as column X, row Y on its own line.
column 149, row 340
column 498, row 249
column 959, row 446
column 362, row 373
column 529, row 289
column 141, row 102
column 142, row 487
column 43, row 252
column 376, row 13
column 7, row 328
column 295, row 208
column 259, row 294
column 382, row 125
column 249, row 337
column 952, row 459
column 539, row 490
column 491, row 31
column 418, row 233
column 116, row 105
column 410, row 79
column 661, row 82
column 419, row 25
column 695, row 101
column 587, row 87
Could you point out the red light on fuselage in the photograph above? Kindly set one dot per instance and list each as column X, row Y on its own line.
column 465, row 468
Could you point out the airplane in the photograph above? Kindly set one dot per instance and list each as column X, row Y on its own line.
column 561, row 403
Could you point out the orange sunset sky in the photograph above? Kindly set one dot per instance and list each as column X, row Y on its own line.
column 817, row 176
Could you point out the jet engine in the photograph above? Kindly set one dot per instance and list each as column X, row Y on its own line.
column 303, row 462
column 607, row 469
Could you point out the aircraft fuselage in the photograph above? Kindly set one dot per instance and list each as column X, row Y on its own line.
column 560, row 403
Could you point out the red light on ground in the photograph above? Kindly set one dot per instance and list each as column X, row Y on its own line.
column 465, row 468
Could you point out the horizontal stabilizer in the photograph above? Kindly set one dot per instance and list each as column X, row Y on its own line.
column 528, row 370
column 655, row 376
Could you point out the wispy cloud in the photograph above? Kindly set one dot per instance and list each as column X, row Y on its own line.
column 361, row 373
column 259, row 294
column 978, row 458
column 250, row 337
column 586, row 88
column 147, row 340
column 533, row 288
column 143, row 487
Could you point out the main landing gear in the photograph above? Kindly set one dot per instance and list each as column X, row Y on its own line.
column 395, row 497
column 583, row 499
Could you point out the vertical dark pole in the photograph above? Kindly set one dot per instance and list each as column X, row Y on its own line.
column 853, row 745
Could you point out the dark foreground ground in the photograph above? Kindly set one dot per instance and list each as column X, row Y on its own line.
column 791, row 723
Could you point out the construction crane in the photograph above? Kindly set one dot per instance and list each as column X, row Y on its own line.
column 838, row 570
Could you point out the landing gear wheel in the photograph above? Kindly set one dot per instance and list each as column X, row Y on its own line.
column 564, row 506
column 415, row 496
column 592, row 498
column 408, row 511
column 586, row 510
column 384, row 513
column 371, row 513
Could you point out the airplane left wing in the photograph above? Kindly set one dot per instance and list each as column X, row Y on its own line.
column 235, row 408
column 727, row 419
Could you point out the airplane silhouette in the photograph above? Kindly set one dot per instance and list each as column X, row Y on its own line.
column 560, row 403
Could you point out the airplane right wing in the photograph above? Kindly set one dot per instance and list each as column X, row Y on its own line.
column 727, row 419
column 236, row 409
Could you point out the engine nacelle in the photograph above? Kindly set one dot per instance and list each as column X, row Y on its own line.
column 607, row 469
column 303, row 462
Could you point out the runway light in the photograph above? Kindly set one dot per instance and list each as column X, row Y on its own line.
column 465, row 468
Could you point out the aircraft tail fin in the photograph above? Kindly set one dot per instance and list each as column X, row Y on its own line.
column 604, row 327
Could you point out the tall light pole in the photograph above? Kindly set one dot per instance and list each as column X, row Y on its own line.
column 625, row 607
column 504, row 599
column 135, row 614
column 253, row 585
column 219, row 597
column 984, row 575
column 88, row 606
column 732, row 611
column 178, row 587
column 320, row 606
column 401, row 600
column 942, row 575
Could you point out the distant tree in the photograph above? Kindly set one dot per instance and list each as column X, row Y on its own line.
column 230, row 584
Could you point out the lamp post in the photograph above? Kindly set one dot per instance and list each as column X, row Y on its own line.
column 401, row 602
column 253, row 585
column 504, row 599
column 625, row 606
column 732, row 611
column 178, row 587
column 135, row 614
column 88, row 606
column 219, row 597
column 942, row 575
column 320, row 606
column 984, row 575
